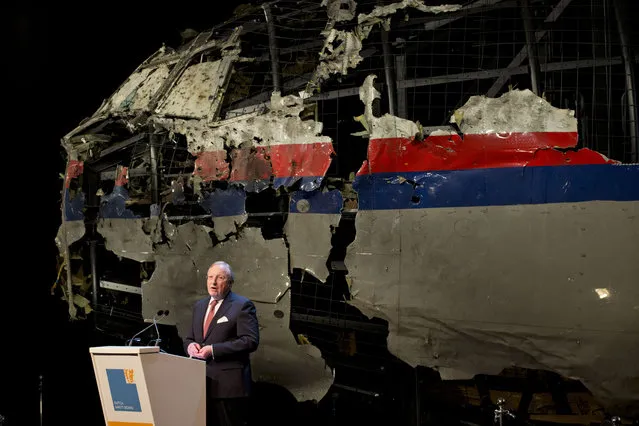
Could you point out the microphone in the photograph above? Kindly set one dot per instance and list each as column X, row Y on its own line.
column 158, row 314
column 157, row 331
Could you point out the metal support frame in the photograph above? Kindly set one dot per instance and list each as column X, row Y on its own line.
column 155, row 194
column 630, row 83
column 120, row 287
column 272, row 44
column 549, row 67
column 67, row 251
column 400, row 74
column 388, row 72
column 450, row 78
column 530, row 46
column 94, row 272
column 432, row 23
column 519, row 58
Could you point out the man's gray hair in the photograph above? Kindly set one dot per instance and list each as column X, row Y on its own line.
column 228, row 269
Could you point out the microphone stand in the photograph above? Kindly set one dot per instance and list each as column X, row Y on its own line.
column 160, row 313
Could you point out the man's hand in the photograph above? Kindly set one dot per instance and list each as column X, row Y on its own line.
column 205, row 352
column 194, row 350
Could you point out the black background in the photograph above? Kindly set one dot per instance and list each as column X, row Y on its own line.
column 59, row 62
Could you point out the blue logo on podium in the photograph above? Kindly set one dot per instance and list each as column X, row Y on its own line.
column 124, row 391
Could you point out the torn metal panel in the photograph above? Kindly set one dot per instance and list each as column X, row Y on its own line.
column 340, row 52
column 435, row 159
column 68, row 233
column 113, row 205
column 516, row 130
column 483, row 197
column 227, row 207
column 280, row 360
column 516, row 111
column 73, row 199
column 341, row 49
column 224, row 226
column 75, row 169
column 384, row 11
column 193, row 94
column 127, row 238
column 386, row 125
column 462, row 314
column 260, row 269
column 136, row 93
column 121, row 175
column 73, row 206
column 184, row 240
column 336, row 12
column 212, row 165
column 311, row 220
column 72, row 228
column 275, row 147
column 260, row 266
column 228, row 202
column 252, row 167
column 177, row 191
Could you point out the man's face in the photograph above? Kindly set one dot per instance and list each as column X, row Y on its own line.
column 218, row 281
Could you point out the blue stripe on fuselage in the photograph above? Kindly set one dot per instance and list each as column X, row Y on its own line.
column 498, row 186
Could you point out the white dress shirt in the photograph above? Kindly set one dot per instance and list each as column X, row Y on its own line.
column 208, row 309
column 217, row 307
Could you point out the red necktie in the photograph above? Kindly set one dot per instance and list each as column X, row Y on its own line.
column 209, row 317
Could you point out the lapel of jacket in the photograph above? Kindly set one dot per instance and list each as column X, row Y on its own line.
column 226, row 304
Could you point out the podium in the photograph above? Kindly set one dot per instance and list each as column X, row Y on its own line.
column 140, row 386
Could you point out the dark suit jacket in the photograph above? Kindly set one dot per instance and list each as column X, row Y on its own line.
column 229, row 371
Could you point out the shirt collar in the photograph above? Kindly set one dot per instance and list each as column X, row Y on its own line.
column 218, row 300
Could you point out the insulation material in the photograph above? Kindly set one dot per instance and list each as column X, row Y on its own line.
column 384, row 11
column 136, row 93
column 280, row 360
column 127, row 238
column 335, row 11
column 463, row 313
column 311, row 220
column 193, row 94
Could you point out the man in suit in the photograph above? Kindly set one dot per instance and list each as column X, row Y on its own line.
column 224, row 331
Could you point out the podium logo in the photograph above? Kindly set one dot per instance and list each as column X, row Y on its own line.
column 128, row 375
column 124, row 391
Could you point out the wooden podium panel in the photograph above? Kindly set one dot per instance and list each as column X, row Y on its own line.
column 139, row 386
